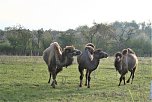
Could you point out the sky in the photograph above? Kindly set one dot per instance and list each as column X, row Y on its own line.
column 70, row 14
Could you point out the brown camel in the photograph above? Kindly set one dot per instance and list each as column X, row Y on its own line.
column 56, row 59
column 89, row 60
column 124, row 62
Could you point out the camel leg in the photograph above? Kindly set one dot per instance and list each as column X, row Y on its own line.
column 49, row 69
column 133, row 74
column 124, row 80
column 129, row 77
column 49, row 78
column 54, row 78
column 81, row 76
column 86, row 77
column 89, row 78
column 121, row 77
column 59, row 69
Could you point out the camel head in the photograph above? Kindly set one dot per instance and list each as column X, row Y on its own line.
column 118, row 57
column 99, row 54
column 70, row 51
column 118, row 61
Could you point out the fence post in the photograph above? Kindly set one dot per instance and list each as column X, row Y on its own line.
column 151, row 91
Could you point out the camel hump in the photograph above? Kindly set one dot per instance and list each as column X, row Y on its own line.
column 127, row 51
column 90, row 49
column 124, row 51
column 57, row 52
column 90, row 44
column 57, row 47
column 130, row 61
column 130, row 51
column 69, row 48
column 53, row 50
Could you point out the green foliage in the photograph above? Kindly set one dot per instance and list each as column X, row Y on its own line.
column 18, row 37
column 141, row 46
column 25, row 79
column 5, row 47
column 46, row 39
column 86, row 36
column 111, row 38
column 67, row 38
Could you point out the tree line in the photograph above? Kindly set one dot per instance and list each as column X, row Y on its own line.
column 112, row 37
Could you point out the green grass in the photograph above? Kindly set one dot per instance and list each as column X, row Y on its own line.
column 24, row 79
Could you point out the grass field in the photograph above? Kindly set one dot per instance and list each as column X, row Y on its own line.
column 24, row 79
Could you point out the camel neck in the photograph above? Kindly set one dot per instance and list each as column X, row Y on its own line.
column 118, row 65
column 94, row 63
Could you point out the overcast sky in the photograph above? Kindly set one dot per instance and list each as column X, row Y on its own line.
column 65, row 14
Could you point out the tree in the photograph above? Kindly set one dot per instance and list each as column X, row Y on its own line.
column 85, row 33
column 18, row 38
column 122, row 33
column 67, row 38
column 46, row 39
column 2, row 36
column 37, row 41
column 103, row 35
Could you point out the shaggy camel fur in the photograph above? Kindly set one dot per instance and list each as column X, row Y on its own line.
column 56, row 59
column 124, row 62
column 89, row 60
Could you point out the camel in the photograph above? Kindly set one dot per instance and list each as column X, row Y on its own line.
column 56, row 59
column 89, row 60
column 124, row 62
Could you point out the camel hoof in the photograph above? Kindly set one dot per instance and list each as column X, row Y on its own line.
column 49, row 81
column 128, row 81
column 56, row 82
column 80, row 85
column 53, row 85
column 88, row 86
